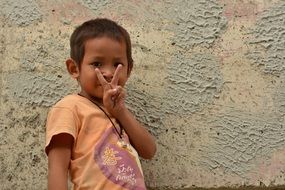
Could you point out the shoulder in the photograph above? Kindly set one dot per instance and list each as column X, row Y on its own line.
column 76, row 104
column 65, row 109
column 70, row 102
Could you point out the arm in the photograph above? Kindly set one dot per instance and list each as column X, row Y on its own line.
column 141, row 139
column 114, row 102
column 59, row 156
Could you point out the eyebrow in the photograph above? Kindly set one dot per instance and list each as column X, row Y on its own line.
column 101, row 58
column 96, row 57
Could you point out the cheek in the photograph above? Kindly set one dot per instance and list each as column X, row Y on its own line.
column 88, row 74
column 89, row 78
column 123, row 80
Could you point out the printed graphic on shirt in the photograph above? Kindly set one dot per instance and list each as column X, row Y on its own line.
column 109, row 157
column 117, row 164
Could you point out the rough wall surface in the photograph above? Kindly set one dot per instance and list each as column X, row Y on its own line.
column 208, row 82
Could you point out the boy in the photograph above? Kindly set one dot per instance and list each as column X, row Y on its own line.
column 92, row 134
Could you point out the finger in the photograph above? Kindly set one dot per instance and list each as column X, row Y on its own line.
column 115, row 99
column 102, row 80
column 121, row 96
column 115, row 94
column 111, row 96
column 115, row 78
column 119, row 89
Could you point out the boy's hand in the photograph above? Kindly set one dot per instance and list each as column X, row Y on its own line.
column 113, row 94
column 113, row 100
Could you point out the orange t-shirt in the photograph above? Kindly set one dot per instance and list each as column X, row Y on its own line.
column 98, row 161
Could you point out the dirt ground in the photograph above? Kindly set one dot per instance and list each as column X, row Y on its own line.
column 226, row 188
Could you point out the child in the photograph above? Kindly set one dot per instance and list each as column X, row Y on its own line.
column 91, row 134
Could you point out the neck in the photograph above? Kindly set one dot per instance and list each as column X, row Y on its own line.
column 99, row 101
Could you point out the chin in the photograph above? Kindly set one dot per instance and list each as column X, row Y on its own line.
column 98, row 95
column 98, row 92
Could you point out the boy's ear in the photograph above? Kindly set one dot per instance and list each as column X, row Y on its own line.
column 72, row 68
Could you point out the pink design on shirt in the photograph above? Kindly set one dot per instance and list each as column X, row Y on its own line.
column 117, row 163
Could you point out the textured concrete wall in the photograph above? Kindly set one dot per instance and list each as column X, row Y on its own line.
column 208, row 82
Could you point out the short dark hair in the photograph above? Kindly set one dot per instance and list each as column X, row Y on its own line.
column 94, row 28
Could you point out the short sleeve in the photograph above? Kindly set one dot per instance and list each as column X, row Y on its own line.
column 60, row 120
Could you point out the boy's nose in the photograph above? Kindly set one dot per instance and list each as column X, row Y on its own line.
column 108, row 75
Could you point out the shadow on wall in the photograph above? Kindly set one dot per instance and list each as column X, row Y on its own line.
column 225, row 188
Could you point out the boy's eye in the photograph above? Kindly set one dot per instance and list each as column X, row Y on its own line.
column 117, row 64
column 96, row 64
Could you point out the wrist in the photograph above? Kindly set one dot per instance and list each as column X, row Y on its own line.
column 122, row 113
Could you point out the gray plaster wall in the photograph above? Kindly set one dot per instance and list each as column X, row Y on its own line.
column 208, row 83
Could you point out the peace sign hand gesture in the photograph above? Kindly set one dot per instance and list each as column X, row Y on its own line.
column 113, row 94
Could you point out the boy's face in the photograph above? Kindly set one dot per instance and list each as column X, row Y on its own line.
column 105, row 54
